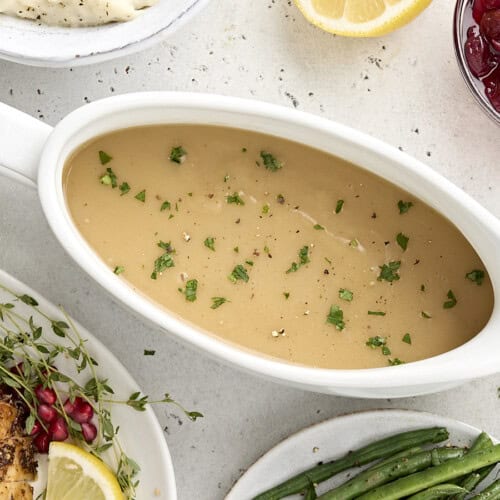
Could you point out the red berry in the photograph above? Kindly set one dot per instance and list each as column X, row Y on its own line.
column 69, row 407
column 89, row 431
column 490, row 25
column 491, row 4
column 82, row 412
column 478, row 9
column 47, row 395
column 37, row 427
column 41, row 442
column 58, row 430
column 47, row 413
column 492, row 88
column 477, row 54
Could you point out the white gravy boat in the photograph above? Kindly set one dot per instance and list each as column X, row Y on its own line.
column 35, row 153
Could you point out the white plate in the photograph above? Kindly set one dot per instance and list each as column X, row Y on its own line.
column 27, row 42
column 140, row 433
column 334, row 438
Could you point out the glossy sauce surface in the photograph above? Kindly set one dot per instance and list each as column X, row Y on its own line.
column 310, row 232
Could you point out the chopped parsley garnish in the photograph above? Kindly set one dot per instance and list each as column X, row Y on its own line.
column 280, row 199
column 109, row 178
column 210, row 243
column 234, row 198
column 476, row 276
column 177, row 154
column 124, row 188
column 226, row 178
column 318, row 227
column 118, row 269
column 249, row 262
column 336, row 317
column 303, row 259
column 376, row 341
column 425, row 315
column 395, row 362
column 404, row 206
column 389, row 272
column 239, row 273
column 402, row 240
column 165, row 206
column 149, row 352
column 104, row 157
column 354, row 243
column 270, row 162
column 345, row 294
column 422, row 288
column 190, row 291
column 385, row 350
column 217, row 302
column 376, row 313
column 265, row 208
column 163, row 261
column 451, row 302
column 286, row 294
column 407, row 338
column 141, row 196
column 339, row 206
column 236, row 249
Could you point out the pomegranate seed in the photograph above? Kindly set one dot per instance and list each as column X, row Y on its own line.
column 492, row 88
column 82, row 412
column 58, row 430
column 89, row 431
column 37, row 427
column 47, row 413
column 491, row 4
column 41, row 442
column 47, row 395
column 478, row 9
column 477, row 54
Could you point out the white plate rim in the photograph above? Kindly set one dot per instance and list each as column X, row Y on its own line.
column 128, row 48
column 166, row 482
column 250, row 477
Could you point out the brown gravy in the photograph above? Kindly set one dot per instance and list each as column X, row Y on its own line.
column 333, row 226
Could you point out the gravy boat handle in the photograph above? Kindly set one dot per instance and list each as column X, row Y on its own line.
column 22, row 139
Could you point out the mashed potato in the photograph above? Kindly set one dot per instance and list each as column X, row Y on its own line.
column 74, row 12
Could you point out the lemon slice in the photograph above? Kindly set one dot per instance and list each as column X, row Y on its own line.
column 361, row 18
column 75, row 474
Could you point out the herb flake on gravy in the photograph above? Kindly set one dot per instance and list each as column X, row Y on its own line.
column 277, row 247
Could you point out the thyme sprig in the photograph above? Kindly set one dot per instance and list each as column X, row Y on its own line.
column 28, row 358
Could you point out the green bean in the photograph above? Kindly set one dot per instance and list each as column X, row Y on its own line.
column 439, row 491
column 311, row 494
column 492, row 492
column 435, row 475
column 371, row 478
column 393, row 458
column 379, row 449
column 471, row 481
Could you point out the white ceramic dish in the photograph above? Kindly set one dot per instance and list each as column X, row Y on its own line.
column 148, row 448
column 27, row 42
column 30, row 150
column 334, row 438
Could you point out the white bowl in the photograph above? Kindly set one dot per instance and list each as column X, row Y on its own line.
column 477, row 358
column 27, row 42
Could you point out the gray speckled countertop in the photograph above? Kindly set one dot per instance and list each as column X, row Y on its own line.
column 405, row 89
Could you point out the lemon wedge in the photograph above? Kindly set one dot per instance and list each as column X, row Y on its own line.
column 75, row 474
column 361, row 18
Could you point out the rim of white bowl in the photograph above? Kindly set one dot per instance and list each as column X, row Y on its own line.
column 128, row 48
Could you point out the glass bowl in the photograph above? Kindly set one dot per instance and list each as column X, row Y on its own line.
column 461, row 22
